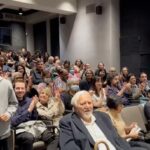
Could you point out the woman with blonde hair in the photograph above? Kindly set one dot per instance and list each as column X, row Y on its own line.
column 49, row 107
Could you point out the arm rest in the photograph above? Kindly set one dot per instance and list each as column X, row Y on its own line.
column 52, row 128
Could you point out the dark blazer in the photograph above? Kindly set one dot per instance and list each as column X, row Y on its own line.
column 75, row 136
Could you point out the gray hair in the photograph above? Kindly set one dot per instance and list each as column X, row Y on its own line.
column 73, row 80
column 76, row 97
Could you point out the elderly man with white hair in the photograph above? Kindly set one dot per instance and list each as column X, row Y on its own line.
column 81, row 129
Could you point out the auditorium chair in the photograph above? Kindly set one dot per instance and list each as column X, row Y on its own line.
column 135, row 114
column 37, row 145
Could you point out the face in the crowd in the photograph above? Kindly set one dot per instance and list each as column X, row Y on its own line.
column 1, row 61
column 98, row 84
column 64, row 75
column 78, row 63
column 89, row 74
column 67, row 66
column 23, row 62
column 43, row 97
column 21, row 69
column 51, row 60
column 40, row 65
column 57, row 63
column 84, row 107
column 115, row 80
column 143, row 77
column 102, row 73
column 74, row 87
column 132, row 80
column 20, row 90
column 101, row 66
column 87, row 66
column 56, row 58
column 112, row 71
column 125, row 71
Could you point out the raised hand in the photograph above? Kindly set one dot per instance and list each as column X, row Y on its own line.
column 33, row 103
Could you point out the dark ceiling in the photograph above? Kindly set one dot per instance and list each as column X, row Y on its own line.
column 14, row 11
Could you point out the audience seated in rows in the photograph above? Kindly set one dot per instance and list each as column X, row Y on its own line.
column 51, row 83
column 83, row 128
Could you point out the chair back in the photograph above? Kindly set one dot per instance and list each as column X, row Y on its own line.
column 134, row 114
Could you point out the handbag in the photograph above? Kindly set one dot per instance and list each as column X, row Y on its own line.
column 100, row 142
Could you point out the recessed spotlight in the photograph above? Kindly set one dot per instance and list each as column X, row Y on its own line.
column 20, row 12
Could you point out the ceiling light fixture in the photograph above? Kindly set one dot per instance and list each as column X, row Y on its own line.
column 20, row 12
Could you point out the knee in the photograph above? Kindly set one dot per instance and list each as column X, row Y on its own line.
column 29, row 138
column 25, row 137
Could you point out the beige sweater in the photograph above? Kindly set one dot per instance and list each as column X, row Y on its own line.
column 118, row 123
column 53, row 111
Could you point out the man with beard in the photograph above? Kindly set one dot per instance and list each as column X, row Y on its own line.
column 81, row 129
column 60, row 83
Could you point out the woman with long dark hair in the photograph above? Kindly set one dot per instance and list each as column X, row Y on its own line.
column 98, row 93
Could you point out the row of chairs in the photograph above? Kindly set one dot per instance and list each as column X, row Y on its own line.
column 135, row 114
column 130, row 114
column 37, row 145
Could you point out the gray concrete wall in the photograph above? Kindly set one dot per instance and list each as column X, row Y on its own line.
column 90, row 37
